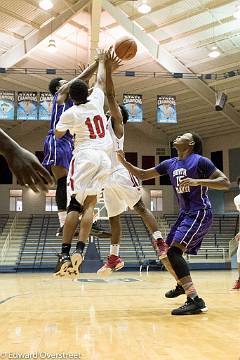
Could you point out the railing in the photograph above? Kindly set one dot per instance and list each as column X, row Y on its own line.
column 136, row 244
column 210, row 251
column 7, row 241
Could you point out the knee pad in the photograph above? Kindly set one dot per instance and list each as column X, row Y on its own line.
column 74, row 205
column 177, row 261
column 61, row 193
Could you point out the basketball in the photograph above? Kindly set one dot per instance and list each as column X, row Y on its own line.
column 125, row 48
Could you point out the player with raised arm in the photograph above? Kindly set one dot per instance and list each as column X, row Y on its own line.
column 58, row 152
column 122, row 189
column 90, row 165
column 191, row 175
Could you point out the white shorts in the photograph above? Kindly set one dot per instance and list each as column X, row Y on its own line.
column 122, row 191
column 88, row 173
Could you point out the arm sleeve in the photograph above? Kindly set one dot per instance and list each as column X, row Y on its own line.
column 97, row 97
column 162, row 168
column 66, row 121
column 206, row 167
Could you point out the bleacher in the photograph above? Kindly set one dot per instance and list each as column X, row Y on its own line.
column 38, row 244
column 39, row 249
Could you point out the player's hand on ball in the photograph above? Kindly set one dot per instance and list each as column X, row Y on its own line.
column 188, row 182
column 112, row 60
column 28, row 170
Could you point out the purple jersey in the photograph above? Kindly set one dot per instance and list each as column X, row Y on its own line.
column 57, row 110
column 195, row 166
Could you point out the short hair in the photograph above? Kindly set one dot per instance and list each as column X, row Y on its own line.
column 54, row 84
column 198, row 146
column 78, row 91
column 238, row 180
column 124, row 112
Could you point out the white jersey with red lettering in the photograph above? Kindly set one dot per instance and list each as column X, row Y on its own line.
column 88, row 123
column 90, row 166
column 122, row 189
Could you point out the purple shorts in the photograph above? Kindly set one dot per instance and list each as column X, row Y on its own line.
column 190, row 229
column 57, row 151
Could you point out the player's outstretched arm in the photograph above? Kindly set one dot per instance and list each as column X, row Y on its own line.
column 112, row 62
column 85, row 75
column 24, row 165
column 139, row 173
column 101, row 73
column 217, row 181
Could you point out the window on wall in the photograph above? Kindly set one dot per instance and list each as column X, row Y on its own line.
column 156, row 200
column 147, row 163
column 50, row 204
column 15, row 200
column 5, row 173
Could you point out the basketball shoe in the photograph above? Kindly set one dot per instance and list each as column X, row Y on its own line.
column 236, row 286
column 76, row 259
column 64, row 262
column 191, row 307
column 179, row 290
column 160, row 247
column 114, row 263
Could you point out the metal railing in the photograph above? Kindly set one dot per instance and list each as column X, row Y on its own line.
column 7, row 241
column 209, row 252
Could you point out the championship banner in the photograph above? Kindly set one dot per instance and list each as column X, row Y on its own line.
column 133, row 104
column 7, row 105
column 45, row 106
column 27, row 105
column 166, row 109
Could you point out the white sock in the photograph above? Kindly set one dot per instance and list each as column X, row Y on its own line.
column 114, row 249
column 157, row 235
column 62, row 216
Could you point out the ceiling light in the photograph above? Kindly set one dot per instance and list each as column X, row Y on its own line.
column 45, row 4
column 52, row 46
column 143, row 7
column 236, row 13
column 214, row 53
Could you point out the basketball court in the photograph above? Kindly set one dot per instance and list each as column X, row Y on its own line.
column 124, row 316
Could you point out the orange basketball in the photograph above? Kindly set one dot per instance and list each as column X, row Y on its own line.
column 125, row 48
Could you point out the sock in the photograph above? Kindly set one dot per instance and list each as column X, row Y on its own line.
column 114, row 249
column 66, row 249
column 62, row 216
column 189, row 288
column 80, row 246
column 157, row 235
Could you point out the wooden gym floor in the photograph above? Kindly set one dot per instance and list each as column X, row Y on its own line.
column 118, row 318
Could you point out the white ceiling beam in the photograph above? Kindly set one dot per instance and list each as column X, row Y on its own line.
column 18, row 52
column 211, row 5
column 168, row 61
column 95, row 27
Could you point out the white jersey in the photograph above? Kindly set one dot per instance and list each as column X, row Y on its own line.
column 88, row 123
column 117, row 145
column 237, row 202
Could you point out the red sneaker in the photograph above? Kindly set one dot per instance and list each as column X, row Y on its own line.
column 161, row 247
column 236, row 286
column 114, row 263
